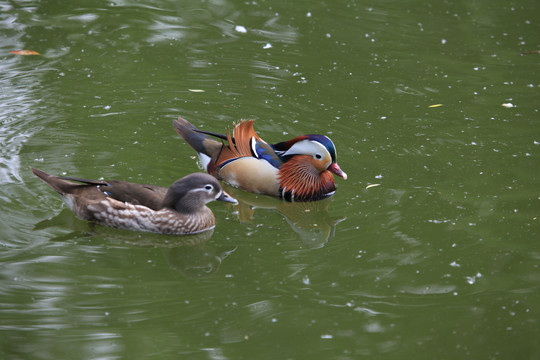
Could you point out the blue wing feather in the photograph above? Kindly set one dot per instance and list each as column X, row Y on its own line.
column 266, row 152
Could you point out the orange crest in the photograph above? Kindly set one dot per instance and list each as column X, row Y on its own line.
column 239, row 145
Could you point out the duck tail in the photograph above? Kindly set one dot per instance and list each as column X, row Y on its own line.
column 207, row 148
column 197, row 139
column 59, row 185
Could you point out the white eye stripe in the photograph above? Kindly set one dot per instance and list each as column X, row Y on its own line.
column 197, row 190
column 207, row 188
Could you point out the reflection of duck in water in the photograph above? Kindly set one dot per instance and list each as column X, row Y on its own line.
column 187, row 254
column 309, row 220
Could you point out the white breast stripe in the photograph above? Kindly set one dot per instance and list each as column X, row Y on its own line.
column 253, row 144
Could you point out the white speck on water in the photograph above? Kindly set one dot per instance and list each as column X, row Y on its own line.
column 274, row 320
column 328, row 35
column 472, row 279
column 267, row 46
column 306, row 280
column 374, row 327
column 308, row 14
column 454, row 264
column 240, row 29
column 327, row 336
column 443, row 41
column 107, row 107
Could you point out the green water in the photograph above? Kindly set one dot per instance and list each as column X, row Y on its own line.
column 440, row 260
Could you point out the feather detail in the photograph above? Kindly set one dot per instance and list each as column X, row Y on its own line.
column 300, row 181
column 239, row 144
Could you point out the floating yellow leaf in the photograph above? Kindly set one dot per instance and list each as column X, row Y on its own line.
column 196, row 90
column 372, row 185
column 435, row 105
column 508, row 105
column 24, row 52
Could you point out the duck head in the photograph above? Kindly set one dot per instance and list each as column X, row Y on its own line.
column 309, row 162
column 192, row 192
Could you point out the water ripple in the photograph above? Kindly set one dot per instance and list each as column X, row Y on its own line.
column 17, row 105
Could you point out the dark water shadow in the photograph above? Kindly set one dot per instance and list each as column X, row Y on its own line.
column 187, row 254
column 310, row 221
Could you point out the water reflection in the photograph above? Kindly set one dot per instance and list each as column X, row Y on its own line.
column 18, row 102
column 311, row 221
column 187, row 254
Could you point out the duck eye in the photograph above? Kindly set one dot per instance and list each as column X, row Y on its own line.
column 318, row 156
column 208, row 187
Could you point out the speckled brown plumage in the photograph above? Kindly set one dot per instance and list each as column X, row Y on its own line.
column 179, row 209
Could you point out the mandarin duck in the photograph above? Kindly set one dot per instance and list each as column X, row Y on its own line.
column 180, row 209
column 299, row 169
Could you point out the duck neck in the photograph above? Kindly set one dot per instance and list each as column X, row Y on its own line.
column 184, row 204
column 301, row 181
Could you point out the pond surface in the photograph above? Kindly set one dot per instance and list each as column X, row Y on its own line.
column 430, row 250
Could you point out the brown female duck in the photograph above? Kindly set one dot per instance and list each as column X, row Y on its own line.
column 180, row 209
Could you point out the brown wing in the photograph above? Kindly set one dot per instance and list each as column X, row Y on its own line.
column 137, row 194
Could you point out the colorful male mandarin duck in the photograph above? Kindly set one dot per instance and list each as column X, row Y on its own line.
column 299, row 169
column 180, row 209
